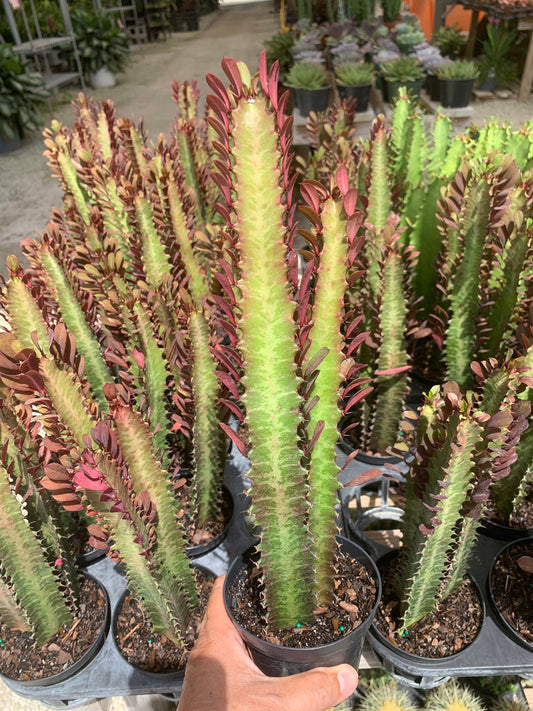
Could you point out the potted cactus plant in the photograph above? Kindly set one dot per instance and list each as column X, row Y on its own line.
column 355, row 80
column 310, row 84
column 121, row 420
column 290, row 391
column 463, row 446
column 457, row 79
column 43, row 595
column 404, row 71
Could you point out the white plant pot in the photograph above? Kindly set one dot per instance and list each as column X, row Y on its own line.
column 102, row 79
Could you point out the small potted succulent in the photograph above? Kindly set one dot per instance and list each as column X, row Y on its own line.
column 310, row 84
column 42, row 592
column 355, row 80
column 457, row 79
column 391, row 11
column 405, row 71
column 461, row 449
column 22, row 93
column 294, row 352
column 103, row 46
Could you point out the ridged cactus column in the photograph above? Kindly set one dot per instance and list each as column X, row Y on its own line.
column 256, row 173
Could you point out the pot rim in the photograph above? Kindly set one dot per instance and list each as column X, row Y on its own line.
column 362, row 555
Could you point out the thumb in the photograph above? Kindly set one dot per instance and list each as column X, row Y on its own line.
column 319, row 689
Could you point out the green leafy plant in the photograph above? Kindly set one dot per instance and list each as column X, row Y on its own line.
column 22, row 94
column 354, row 74
column 402, row 69
column 495, row 49
column 294, row 349
column 100, row 41
column 458, row 69
column 451, row 41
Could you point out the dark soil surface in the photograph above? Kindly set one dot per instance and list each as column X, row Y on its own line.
column 512, row 588
column 196, row 535
column 149, row 650
column 453, row 625
column 522, row 517
column 21, row 659
column 355, row 596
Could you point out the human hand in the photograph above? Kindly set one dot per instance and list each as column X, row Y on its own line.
column 221, row 675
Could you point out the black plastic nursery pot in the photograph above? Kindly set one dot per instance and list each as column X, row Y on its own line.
column 38, row 686
column 456, row 93
column 277, row 660
column 432, row 85
column 308, row 100
column 519, row 589
column 361, row 94
column 494, row 652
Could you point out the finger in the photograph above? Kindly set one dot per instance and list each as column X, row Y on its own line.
column 319, row 689
column 217, row 624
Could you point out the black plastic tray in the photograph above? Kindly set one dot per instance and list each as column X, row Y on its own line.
column 493, row 653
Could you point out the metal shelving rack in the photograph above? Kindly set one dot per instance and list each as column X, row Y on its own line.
column 133, row 24
column 39, row 48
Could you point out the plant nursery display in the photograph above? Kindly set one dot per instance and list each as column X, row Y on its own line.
column 103, row 46
column 168, row 335
column 22, row 94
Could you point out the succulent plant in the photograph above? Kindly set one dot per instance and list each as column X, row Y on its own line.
column 117, row 324
column 307, row 75
column 402, row 69
column 294, row 340
column 458, row 69
column 463, row 447
column 39, row 581
column 453, row 695
column 354, row 74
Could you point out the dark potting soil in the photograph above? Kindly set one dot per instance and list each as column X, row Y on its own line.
column 210, row 529
column 22, row 660
column 355, row 596
column 522, row 516
column 512, row 588
column 453, row 625
column 149, row 650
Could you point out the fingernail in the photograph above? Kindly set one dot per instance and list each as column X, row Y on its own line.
column 347, row 681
